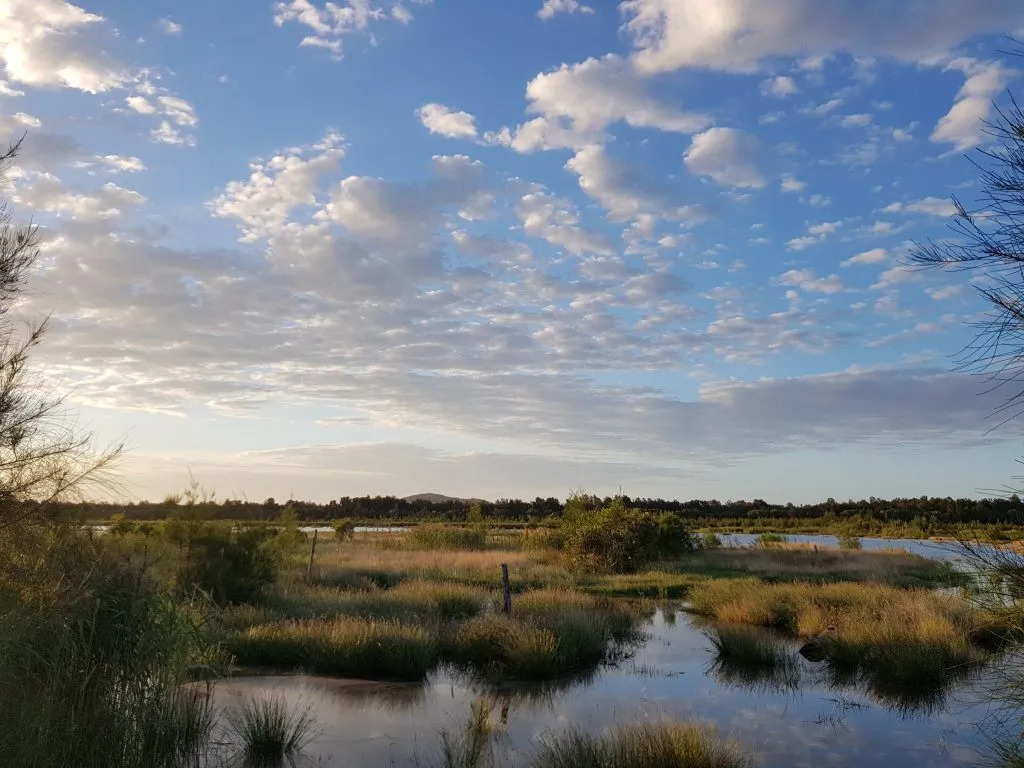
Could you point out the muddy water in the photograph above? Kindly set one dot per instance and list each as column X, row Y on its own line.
column 798, row 719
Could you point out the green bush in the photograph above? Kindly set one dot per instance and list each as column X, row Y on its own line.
column 710, row 541
column 344, row 530
column 231, row 567
column 848, row 542
column 767, row 539
column 619, row 539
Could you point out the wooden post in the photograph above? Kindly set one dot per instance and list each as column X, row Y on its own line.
column 312, row 551
column 506, row 589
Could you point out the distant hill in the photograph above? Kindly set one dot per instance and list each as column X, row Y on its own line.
column 437, row 498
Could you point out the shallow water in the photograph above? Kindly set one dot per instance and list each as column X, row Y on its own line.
column 800, row 720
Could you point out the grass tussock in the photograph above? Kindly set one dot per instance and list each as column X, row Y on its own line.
column 346, row 647
column 906, row 636
column 443, row 537
column 268, row 731
column 666, row 745
column 472, row 747
column 753, row 660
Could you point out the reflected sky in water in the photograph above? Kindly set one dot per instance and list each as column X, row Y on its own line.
column 819, row 722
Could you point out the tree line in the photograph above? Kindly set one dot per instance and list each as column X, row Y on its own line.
column 1008, row 510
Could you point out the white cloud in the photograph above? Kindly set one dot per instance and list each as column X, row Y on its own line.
column 738, row 35
column 780, row 86
column 45, row 193
column 332, row 21
column 624, row 190
column 932, row 206
column 165, row 133
column 598, row 92
column 806, row 280
column 816, row 233
column 792, row 184
column 820, row 201
column 7, row 91
column 726, row 155
column 820, row 110
column 895, row 276
column 277, row 186
column 121, row 163
column 552, row 7
column 861, row 120
column 169, row 27
column 556, row 221
column 42, row 45
column 141, row 104
column 439, row 119
column 946, row 292
column 963, row 126
column 874, row 256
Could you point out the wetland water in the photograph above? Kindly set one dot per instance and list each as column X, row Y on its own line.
column 800, row 718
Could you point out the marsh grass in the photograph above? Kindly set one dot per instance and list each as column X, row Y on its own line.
column 268, row 731
column 471, row 748
column 666, row 745
column 905, row 637
column 443, row 537
column 753, row 660
column 353, row 647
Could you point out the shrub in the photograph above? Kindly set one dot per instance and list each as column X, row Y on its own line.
column 710, row 542
column 344, row 530
column 231, row 567
column 615, row 538
column 673, row 538
column 848, row 542
column 768, row 539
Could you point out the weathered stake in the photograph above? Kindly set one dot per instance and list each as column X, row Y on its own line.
column 506, row 589
column 312, row 551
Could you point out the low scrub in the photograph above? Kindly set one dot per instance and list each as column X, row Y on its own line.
column 667, row 745
column 347, row 647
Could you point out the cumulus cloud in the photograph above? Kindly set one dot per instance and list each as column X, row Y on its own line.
column 932, row 206
column 816, row 233
column 874, row 256
column 328, row 23
column 779, row 87
column 964, row 125
column 595, row 93
column 553, row 7
column 806, row 280
column 439, row 119
column 277, row 186
column 738, row 35
column 169, row 27
column 624, row 190
column 727, row 155
column 45, row 43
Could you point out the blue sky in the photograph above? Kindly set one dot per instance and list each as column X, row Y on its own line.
column 323, row 249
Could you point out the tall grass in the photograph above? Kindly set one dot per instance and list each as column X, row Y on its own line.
column 472, row 747
column 667, row 745
column 910, row 637
column 354, row 647
column 268, row 731
column 752, row 660
column 444, row 537
column 93, row 658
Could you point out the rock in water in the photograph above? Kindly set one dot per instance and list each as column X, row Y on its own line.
column 817, row 648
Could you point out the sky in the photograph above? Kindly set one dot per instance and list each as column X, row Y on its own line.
column 313, row 249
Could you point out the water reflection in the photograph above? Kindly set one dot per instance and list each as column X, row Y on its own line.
column 791, row 713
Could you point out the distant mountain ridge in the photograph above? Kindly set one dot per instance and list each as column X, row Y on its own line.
column 437, row 498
